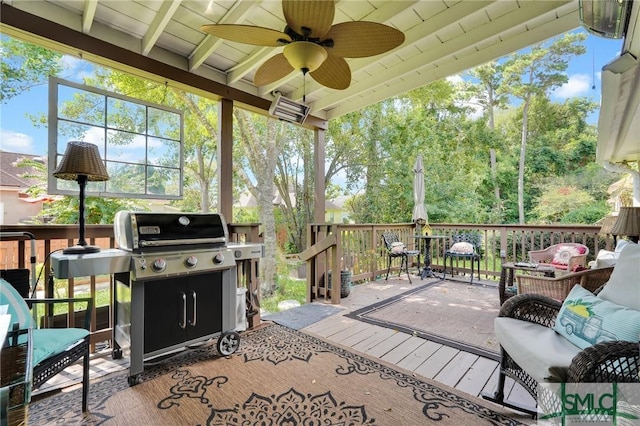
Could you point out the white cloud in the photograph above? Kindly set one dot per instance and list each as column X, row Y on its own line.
column 455, row 79
column 578, row 85
column 11, row 141
column 76, row 69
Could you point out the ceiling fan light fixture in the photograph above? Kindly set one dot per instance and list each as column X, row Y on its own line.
column 305, row 55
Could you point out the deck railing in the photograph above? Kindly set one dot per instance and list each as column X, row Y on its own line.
column 15, row 253
column 332, row 247
column 359, row 249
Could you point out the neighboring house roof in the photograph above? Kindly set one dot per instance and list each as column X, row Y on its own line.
column 11, row 175
column 340, row 201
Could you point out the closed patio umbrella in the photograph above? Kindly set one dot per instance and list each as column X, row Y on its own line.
column 419, row 211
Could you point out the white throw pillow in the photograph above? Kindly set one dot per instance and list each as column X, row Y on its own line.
column 564, row 253
column 623, row 287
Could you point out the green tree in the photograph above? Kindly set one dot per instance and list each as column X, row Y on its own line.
column 261, row 139
column 25, row 65
column 487, row 95
column 558, row 201
column 528, row 76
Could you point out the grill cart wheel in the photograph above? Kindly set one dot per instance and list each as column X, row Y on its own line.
column 228, row 343
column 134, row 380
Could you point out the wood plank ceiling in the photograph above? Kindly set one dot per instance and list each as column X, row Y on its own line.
column 443, row 38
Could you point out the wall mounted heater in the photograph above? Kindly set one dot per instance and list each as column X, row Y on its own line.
column 605, row 18
column 288, row 110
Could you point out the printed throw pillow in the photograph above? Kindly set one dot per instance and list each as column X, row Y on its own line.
column 585, row 320
column 397, row 247
column 462, row 248
column 564, row 253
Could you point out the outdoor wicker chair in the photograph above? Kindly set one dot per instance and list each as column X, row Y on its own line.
column 397, row 249
column 54, row 349
column 535, row 351
column 563, row 256
column 559, row 287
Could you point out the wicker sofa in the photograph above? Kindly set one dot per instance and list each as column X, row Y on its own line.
column 534, row 351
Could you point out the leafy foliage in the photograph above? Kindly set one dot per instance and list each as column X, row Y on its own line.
column 557, row 201
column 470, row 137
column 25, row 65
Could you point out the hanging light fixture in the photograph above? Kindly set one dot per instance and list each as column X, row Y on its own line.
column 305, row 55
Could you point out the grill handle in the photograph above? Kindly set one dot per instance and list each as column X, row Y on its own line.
column 193, row 319
column 183, row 324
column 164, row 243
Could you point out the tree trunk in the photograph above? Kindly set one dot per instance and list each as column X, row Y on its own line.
column 523, row 152
column 492, row 154
column 262, row 151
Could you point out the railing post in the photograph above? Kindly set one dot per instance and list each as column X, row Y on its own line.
column 336, row 274
column 503, row 244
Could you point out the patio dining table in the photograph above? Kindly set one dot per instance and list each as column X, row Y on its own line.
column 506, row 287
column 424, row 247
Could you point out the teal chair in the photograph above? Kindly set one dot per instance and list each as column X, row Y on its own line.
column 54, row 349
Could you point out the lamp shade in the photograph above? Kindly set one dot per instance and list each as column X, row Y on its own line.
column 628, row 222
column 607, row 224
column 81, row 159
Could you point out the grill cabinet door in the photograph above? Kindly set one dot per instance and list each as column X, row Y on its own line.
column 204, row 294
column 164, row 302
column 172, row 305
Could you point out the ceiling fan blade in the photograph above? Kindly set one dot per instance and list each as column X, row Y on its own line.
column 316, row 15
column 272, row 70
column 248, row 34
column 360, row 39
column 333, row 73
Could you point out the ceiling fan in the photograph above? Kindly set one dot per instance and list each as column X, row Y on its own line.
column 311, row 43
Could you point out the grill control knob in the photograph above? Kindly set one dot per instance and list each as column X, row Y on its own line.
column 218, row 258
column 191, row 262
column 159, row 265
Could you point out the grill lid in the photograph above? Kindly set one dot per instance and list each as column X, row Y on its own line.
column 135, row 231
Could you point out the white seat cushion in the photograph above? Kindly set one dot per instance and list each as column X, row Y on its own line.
column 540, row 351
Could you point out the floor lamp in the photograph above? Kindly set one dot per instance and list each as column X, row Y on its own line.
column 82, row 163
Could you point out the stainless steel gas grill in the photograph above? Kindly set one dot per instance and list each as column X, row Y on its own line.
column 181, row 287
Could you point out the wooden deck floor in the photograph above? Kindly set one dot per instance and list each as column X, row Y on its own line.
column 461, row 370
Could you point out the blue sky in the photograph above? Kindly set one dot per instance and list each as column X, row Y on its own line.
column 18, row 134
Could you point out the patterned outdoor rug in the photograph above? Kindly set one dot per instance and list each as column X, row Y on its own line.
column 455, row 314
column 278, row 376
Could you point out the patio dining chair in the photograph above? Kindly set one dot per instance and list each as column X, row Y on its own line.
column 53, row 349
column 397, row 249
column 464, row 246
